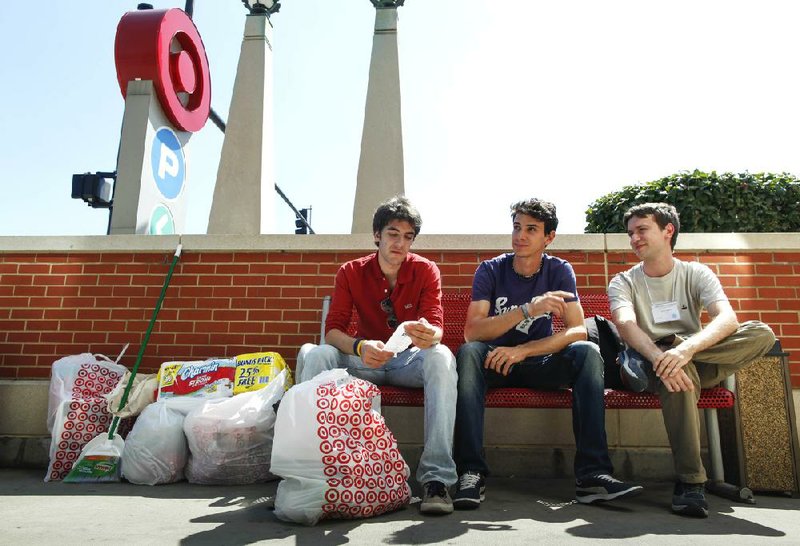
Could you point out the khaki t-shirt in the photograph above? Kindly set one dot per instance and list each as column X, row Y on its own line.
column 691, row 284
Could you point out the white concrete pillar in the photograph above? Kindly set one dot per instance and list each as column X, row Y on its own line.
column 244, row 195
column 380, row 167
column 150, row 194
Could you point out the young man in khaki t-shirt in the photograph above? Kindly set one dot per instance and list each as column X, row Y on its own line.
column 656, row 306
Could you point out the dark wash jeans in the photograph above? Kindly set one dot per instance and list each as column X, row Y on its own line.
column 579, row 366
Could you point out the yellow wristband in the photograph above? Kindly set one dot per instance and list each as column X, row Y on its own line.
column 357, row 346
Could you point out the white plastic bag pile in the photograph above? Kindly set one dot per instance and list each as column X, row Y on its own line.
column 335, row 453
column 230, row 440
column 76, row 410
column 207, row 440
column 155, row 450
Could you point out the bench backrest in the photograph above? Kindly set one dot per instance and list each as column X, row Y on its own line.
column 455, row 306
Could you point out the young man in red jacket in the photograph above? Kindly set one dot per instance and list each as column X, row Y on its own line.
column 388, row 288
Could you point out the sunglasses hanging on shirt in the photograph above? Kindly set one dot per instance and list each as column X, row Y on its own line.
column 388, row 308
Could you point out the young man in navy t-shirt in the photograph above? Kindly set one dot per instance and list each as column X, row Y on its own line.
column 510, row 343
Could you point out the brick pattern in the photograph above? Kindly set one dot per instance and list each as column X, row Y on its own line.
column 226, row 303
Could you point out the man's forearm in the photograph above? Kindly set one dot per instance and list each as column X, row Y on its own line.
column 555, row 343
column 718, row 329
column 487, row 328
column 340, row 340
column 636, row 338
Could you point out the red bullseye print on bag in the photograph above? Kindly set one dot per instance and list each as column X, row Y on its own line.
column 77, row 409
column 164, row 46
column 336, row 454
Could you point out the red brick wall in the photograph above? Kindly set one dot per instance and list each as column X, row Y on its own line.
column 226, row 303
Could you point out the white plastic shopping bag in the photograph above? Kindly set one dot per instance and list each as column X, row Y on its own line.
column 76, row 409
column 230, row 440
column 75, row 423
column 155, row 449
column 335, row 453
column 82, row 376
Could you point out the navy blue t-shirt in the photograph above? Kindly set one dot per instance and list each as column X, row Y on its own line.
column 496, row 282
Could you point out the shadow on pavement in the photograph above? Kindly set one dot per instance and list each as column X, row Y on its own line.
column 512, row 505
column 515, row 508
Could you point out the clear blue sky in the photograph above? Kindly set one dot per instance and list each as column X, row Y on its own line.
column 501, row 101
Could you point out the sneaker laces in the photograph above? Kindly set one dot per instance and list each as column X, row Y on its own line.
column 606, row 478
column 693, row 489
column 435, row 489
column 469, row 480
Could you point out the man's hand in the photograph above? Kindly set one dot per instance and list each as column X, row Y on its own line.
column 671, row 361
column 421, row 333
column 501, row 359
column 373, row 355
column 678, row 382
column 550, row 302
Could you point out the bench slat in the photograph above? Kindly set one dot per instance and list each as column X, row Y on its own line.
column 512, row 397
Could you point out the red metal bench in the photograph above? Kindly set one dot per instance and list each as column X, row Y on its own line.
column 455, row 306
column 455, row 313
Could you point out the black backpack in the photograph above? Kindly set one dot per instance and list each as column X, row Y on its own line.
column 605, row 335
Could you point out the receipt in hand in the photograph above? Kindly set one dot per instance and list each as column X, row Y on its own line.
column 399, row 341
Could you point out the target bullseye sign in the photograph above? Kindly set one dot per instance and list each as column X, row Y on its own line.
column 164, row 46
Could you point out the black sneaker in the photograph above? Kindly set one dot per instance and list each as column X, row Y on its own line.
column 689, row 499
column 634, row 371
column 470, row 491
column 435, row 499
column 603, row 487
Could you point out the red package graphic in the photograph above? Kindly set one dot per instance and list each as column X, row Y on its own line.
column 77, row 421
column 204, row 378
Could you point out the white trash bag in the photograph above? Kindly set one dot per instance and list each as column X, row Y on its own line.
column 83, row 376
column 230, row 440
column 155, row 449
column 335, row 452
column 76, row 411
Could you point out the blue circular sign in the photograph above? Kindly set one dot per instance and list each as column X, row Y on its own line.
column 161, row 221
column 168, row 163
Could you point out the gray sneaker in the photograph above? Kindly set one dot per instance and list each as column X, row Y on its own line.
column 688, row 499
column 435, row 499
column 636, row 372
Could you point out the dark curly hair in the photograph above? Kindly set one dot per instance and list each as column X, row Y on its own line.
column 544, row 211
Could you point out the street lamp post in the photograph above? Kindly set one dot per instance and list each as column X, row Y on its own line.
column 380, row 165
column 268, row 6
column 243, row 201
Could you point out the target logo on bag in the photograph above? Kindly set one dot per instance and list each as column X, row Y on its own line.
column 366, row 475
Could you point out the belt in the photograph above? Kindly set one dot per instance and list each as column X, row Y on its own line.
column 666, row 340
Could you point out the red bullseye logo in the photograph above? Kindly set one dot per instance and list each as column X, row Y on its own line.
column 164, row 46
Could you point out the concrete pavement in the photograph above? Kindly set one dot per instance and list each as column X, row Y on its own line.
column 517, row 511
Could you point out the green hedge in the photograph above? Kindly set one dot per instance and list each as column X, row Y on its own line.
column 709, row 202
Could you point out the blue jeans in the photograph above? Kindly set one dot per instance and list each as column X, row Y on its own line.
column 579, row 366
column 432, row 369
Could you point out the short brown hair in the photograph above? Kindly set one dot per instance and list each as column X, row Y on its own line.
column 662, row 213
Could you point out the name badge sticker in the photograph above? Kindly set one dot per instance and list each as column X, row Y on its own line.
column 665, row 311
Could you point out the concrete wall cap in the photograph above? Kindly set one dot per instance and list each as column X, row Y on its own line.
column 589, row 242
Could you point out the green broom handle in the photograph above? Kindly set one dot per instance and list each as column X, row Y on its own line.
column 124, row 399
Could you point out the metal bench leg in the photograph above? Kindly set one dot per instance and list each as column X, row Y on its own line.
column 717, row 484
